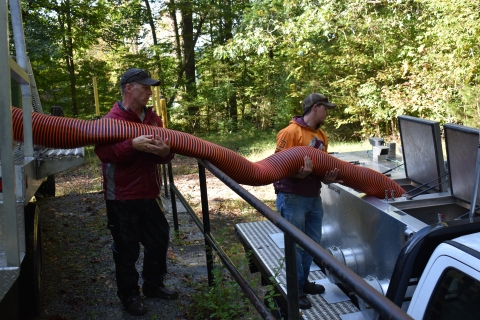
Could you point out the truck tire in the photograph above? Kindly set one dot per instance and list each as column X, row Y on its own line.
column 31, row 282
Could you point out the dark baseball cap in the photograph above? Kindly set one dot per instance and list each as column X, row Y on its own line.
column 138, row 75
column 316, row 98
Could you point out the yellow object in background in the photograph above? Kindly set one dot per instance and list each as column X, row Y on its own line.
column 95, row 95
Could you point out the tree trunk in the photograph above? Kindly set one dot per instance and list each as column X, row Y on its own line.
column 154, row 38
column 173, row 15
column 232, row 99
column 189, row 54
column 68, row 49
column 152, row 24
column 187, row 61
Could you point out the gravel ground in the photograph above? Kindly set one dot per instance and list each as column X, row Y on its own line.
column 79, row 269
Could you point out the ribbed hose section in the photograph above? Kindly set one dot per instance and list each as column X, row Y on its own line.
column 67, row 133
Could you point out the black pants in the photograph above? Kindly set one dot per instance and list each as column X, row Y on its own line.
column 133, row 222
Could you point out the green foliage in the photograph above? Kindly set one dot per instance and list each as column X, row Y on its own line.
column 224, row 300
column 256, row 61
column 271, row 293
column 370, row 57
column 245, row 142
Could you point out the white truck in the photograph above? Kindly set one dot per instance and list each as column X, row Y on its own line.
column 420, row 250
column 25, row 171
column 450, row 284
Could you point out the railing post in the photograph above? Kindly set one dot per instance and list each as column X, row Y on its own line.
column 174, row 201
column 292, row 277
column 206, row 221
column 164, row 174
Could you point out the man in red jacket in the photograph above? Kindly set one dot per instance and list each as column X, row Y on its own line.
column 131, row 184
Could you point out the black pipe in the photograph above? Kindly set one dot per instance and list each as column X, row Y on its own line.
column 174, row 202
column 292, row 278
column 190, row 212
column 206, row 221
column 392, row 168
column 164, row 174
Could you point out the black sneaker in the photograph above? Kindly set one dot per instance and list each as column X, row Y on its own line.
column 303, row 302
column 159, row 292
column 135, row 306
column 313, row 288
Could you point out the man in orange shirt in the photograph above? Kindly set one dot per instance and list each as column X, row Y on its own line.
column 298, row 196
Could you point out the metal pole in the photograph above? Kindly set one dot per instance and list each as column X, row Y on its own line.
column 292, row 278
column 95, row 96
column 163, row 108
column 473, row 203
column 164, row 174
column 163, row 115
column 21, row 55
column 8, row 194
column 158, row 107
column 173, row 200
column 206, row 221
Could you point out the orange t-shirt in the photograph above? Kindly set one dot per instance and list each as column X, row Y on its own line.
column 298, row 133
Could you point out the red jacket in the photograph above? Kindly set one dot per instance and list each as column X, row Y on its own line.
column 127, row 173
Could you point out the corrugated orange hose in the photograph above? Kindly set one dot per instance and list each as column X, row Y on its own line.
column 60, row 132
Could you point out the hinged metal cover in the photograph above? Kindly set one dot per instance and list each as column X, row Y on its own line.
column 422, row 152
column 462, row 144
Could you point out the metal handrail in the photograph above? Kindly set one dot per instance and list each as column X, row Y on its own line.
column 210, row 241
column 293, row 236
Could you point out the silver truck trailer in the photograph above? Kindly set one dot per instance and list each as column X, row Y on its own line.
column 26, row 170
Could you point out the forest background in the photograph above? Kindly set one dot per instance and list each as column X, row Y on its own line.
column 229, row 66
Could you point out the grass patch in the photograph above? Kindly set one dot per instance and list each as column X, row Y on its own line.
column 256, row 146
column 342, row 146
column 245, row 143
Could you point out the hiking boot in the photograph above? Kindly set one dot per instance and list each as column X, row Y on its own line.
column 159, row 292
column 135, row 306
column 303, row 302
column 313, row 288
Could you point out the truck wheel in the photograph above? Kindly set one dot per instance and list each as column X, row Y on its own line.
column 47, row 188
column 31, row 288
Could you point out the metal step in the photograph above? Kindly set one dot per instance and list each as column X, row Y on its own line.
column 269, row 258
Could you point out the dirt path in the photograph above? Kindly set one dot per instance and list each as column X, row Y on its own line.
column 79, row 270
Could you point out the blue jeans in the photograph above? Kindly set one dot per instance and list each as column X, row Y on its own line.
column 305, row 213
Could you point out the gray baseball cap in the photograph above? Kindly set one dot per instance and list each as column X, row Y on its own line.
column 140, row 76
column 315, row 98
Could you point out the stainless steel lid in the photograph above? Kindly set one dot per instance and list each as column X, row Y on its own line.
column 422, row 152
column 462, row 146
